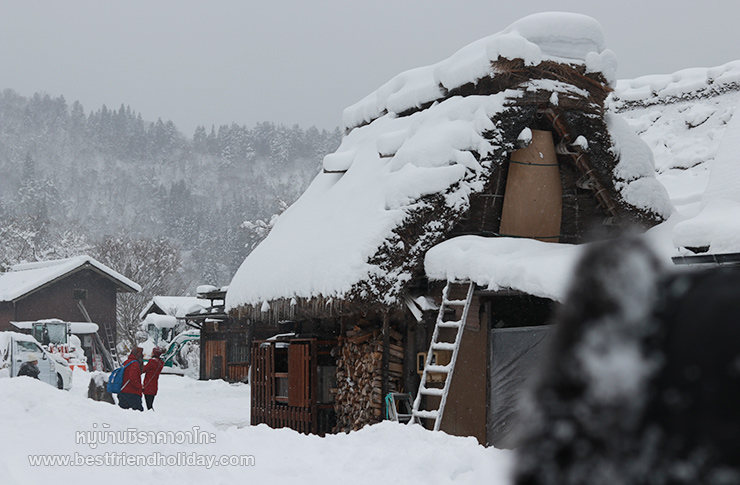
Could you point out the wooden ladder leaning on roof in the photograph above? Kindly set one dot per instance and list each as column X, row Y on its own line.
column 432, row 367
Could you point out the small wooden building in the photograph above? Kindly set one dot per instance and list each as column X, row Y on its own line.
column 74, row 289
column 467, row 172
column 224, row 348
column 292, row 379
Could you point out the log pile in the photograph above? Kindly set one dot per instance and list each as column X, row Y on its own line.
column 358, row 395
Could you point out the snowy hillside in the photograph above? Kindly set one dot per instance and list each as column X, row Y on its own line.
column 109, row 172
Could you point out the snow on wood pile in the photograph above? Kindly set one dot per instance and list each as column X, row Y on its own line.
column 413, row 157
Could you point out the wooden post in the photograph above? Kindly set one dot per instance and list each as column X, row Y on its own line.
column 202, row 373
column 249, row 339
column 313, row 370
column 410, row 377
column 385, row 362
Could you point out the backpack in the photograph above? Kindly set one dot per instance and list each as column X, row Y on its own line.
column 115, row 380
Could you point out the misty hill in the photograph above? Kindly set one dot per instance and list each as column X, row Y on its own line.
column 110, row 172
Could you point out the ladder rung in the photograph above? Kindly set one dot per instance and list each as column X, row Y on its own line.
column 426, row 414
column 442, row 369
column 450, row 324
column 431, row 391
column 455, row 302
column 443, row 346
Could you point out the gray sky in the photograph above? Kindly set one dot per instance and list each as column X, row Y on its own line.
column 298, row 61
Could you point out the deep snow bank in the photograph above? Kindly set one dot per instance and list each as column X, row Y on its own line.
column 38, row 419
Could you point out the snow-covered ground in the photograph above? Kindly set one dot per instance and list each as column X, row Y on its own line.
column 37, row 419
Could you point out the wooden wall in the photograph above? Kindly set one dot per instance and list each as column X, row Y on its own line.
column 218, row 359
column 57, row 301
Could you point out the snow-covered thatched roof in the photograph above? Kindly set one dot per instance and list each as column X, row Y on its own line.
column 29, row 277
column 687, row 119
column 422, row 145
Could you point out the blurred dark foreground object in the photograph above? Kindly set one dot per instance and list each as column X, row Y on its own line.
column 642, row 381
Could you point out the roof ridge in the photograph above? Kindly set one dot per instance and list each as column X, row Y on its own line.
column 47, row 263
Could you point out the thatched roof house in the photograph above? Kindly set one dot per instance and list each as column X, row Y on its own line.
column 466, row 170
column 425, row 158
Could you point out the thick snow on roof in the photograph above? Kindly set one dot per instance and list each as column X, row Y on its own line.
column 691, row 83
column 177, row 306
column 717, row 225
column 322, row 245
column 688, row 121
column 160, row 321
column 534, row 267
column 559, row 36
column 634, row 175
column 27, row 277
column 7, row 337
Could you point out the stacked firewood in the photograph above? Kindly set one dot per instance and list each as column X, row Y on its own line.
column 358, row 395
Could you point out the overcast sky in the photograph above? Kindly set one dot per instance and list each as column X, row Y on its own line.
column 302, row 62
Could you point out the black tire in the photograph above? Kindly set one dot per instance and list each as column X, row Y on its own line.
column 60, row 382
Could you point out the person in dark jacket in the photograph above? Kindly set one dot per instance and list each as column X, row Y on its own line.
column 152, row 369
column 30, row 367
column 130, row 395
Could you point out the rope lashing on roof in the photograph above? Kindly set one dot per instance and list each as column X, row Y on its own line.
column 581, row 161
column 498, row 234
column 535, row 164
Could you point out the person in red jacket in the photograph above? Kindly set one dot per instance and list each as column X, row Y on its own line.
column 130, row 395
column 152, row 369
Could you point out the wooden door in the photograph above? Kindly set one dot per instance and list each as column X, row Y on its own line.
column 215, row 356
column 299, row 374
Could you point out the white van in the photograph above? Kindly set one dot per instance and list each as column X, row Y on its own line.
column 14, row 350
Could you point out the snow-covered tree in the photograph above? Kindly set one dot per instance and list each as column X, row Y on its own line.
column 259, row 229
column 29, row 239
column 155, row 264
